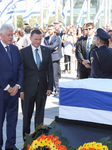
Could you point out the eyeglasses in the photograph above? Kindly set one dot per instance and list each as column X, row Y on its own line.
column 89, row 29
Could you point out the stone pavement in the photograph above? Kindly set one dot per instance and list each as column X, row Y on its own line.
column 51, row 110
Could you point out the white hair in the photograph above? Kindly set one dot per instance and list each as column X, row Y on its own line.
column 5, row 27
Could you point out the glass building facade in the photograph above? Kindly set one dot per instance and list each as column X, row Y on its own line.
column 94, row 7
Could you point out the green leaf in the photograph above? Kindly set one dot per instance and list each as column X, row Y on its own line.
column 39, row 127
column 64, row 141
column 103, row 140
column 52, row 122
column 24, row 148
column 29, row 139
column 71, row 148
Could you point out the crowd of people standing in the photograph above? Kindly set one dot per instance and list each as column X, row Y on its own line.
column 30, row 67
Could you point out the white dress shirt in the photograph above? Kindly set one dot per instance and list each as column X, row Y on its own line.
column 39, row 52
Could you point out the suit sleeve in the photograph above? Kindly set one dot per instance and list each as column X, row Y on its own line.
column 55, row 44
column 79, row 51
column 20, row 70
column 50, row 73
column 23, row 70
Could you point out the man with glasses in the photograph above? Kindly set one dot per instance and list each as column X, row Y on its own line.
column 101, row 57
column 83, row 51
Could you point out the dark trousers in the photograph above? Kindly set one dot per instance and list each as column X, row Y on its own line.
column 56, row 74
column 67, row 62
column 28, row 107
column 84, row 73
column 8, row 109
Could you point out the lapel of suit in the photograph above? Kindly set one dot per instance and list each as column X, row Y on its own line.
column 84, row 44
column 30, row 57
column 47, row 40
column 52, row 39
column 3, row 51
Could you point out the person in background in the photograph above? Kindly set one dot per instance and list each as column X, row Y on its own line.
column 69, row 40
column 110, row 40
column 26, row 38
column 24, row 26
column 101, row 57
column 79, row 32
column 79, row 40
column 53, row 42
column 11, row 78
column 84, row 48
column 38, row 80
column 57, row 32
column 108, row 27
column 19, row 43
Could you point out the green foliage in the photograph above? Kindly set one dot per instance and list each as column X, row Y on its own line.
column 103, row 140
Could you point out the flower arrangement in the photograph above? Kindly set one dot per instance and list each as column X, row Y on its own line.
column 50, row 138
column 102, row 144
column 47, row 138
column 93, row 146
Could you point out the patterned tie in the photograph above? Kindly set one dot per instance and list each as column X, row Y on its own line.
column 38, row 60
column 9, row 53
column 88, row 48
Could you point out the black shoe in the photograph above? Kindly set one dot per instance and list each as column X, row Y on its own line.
column 14, row 148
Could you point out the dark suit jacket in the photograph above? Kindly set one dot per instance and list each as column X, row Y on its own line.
column 81, row 51
column 55, row 42
column 10, row 73
column 101, row 62
column 33, row 75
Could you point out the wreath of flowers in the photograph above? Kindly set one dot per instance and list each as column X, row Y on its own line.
column 47, row 138
column 50, row 138
column 93, row 146
column 50, row 142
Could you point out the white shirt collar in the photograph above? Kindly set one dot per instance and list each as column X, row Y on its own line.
column 3, row 44
column 91, row 37
column 34, row 48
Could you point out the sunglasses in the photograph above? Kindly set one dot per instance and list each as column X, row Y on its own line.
column 89, row 29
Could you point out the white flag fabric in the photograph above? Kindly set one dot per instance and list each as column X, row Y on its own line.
column 17, row 7
column 50, row 12
column 4, row 10
column 83, row 12
column 4, row 17
column 11, row 8
column 66, row 11
column 34, row 9
column 100, row 12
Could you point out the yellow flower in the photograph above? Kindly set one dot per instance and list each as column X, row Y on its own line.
column 53, row 146
column 104, row 147
column 98, row 145
column 40, row 143
column 30, row 148
column 92, row 144
column 35, row 144
column 80, row 147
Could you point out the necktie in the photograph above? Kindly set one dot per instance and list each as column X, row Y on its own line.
column 9, row 53
column 38, row 60
column 88, row 48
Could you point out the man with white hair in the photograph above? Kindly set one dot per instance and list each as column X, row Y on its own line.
column 11, row 78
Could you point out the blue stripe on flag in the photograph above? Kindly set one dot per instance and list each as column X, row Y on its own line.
column 6, row 7
column 76, row 97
